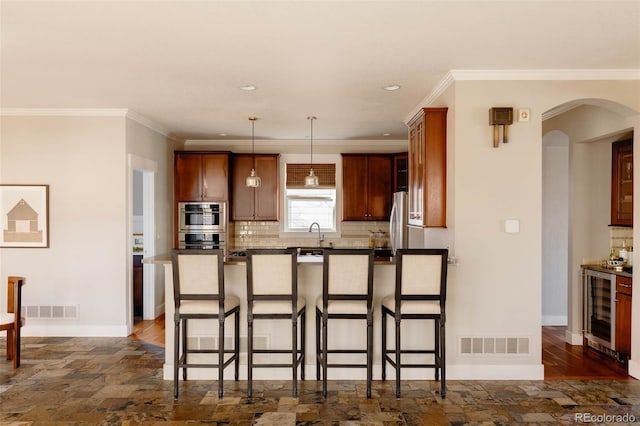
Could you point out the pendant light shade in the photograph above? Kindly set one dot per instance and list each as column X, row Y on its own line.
column 253, row 180
column 311, row 180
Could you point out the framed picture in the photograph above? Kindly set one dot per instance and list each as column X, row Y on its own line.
column 24, row 215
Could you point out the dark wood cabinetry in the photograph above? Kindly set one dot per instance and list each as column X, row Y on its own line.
column 255, row 203
column 623, row 316
column 366, row 186
column 401, row 172
column 201, row 176
column 622, row 183
column 137, row 285
column 427, row 168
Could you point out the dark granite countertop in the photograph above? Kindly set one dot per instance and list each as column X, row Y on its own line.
column 626, row 272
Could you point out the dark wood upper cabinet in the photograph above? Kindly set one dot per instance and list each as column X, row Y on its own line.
column 201, row 176
column 401, row 172
column 428, row 168
column 255, row 203
column 622, row 183
column 366, row 186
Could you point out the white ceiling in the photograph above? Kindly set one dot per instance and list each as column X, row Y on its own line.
column 181, row 63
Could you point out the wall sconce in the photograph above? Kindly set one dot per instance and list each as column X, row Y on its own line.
column 500, row 117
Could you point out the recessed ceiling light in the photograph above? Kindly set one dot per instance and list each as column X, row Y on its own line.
column 386, row 134
column 222, row 134
column 248, row 87
column 391, row 87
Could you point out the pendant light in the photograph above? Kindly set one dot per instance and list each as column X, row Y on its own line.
column 312, row 179
column 253, row 180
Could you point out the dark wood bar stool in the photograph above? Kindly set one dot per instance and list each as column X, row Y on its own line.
column 12, row 321
column 272, row 293
column 199, row 293
column 347, row 293
column 421, row 289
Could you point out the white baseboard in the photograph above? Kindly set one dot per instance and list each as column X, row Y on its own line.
column 634, row 369
column 58, row 330
column 554, row 320
column 454, row 372
column 573, row 338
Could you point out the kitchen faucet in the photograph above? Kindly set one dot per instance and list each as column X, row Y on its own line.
column 320, row 237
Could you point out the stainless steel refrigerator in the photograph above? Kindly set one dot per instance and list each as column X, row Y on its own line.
column 398, row 231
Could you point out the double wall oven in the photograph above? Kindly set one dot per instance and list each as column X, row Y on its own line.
column 202, row 225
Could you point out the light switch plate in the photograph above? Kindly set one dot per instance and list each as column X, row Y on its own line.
column 512, row 226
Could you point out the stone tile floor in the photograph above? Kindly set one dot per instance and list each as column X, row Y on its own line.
column 118, row 381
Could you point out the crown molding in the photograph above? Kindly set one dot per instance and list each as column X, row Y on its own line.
column 549, row 74
column 435, row 93
column 141, row 119
column 87, row 112
column 64, row 112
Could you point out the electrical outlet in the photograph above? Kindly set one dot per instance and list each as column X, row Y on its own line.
column 523, row 114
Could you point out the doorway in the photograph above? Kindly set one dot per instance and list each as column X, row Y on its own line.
column 141, row 295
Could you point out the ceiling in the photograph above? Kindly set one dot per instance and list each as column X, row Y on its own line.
column 181, row 64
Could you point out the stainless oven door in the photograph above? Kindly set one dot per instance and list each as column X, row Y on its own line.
column 201, row 216
column 201, row 240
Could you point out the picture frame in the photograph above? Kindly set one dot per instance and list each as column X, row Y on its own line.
column 24, row 216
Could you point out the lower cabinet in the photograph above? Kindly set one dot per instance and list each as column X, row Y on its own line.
column 623, row 316
column 137, row 285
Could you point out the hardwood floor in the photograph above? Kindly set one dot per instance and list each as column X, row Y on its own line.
column 561, row 360
column 150, row 331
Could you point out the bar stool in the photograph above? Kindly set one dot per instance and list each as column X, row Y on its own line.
column 421, row 288
column 272, row 293
column 347, row 293
column 199, row 293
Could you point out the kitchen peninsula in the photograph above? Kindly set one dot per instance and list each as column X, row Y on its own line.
column 276, row 334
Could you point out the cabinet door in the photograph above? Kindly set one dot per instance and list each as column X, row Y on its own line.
column 215, row 177
column 188, row 177
column 623, row 323
column 266, row 197
column 623, row 315
column 435, row 169
column 354, row 187
column 622, row 183
column 243, row 197
column 379, row 170
column 255, row 203
column 415, row 172
column 401, row 172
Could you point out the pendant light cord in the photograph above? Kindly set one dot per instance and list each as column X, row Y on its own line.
column 311, row 118
column 253, row 151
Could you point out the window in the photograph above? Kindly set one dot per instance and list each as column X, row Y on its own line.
column 303, row 206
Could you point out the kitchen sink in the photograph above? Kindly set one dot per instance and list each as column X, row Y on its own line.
column 309, row 251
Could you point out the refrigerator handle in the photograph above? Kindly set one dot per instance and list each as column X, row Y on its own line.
column 392, row 228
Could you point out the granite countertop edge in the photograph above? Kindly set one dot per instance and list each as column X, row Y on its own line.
column 165, row 258
column 607, row 270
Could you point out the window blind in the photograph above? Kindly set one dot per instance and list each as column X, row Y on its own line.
column 296, row 173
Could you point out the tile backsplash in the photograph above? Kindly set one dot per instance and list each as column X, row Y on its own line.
column 620, row 234
column 267, row 235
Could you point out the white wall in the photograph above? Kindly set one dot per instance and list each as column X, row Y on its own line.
column 495, row 289
column 555, row 228
column 82, row 160
column 154, row 153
